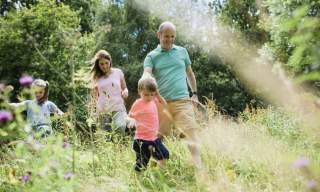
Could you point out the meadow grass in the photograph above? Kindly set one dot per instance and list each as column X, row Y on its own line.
column 255, row 153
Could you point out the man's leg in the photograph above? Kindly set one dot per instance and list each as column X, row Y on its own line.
column 164, row 123
column 193, row 146
column 185, row 122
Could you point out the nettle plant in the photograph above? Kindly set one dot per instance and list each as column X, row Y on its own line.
column 50, row 169
column 12, row 124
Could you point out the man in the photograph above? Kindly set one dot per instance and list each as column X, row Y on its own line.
column 171, row 66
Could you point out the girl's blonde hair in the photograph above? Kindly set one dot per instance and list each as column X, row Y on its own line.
column 147, row 83
column 43, row 84
column 95, row 71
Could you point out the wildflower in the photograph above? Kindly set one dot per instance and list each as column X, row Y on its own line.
column 68, row 176
column 25, row 80
column 66, row 145
column 26, row 178
column 5, row 116
column 301, row 163
column 311, row 184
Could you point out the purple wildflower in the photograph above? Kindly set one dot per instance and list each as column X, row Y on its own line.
column 25, row 80
column 5, row 116
column 26, row 178
column 68, row 176
column 301, row 163
column 66, row 145
column 311, row 184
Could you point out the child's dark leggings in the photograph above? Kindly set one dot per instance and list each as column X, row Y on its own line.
column 145, row 149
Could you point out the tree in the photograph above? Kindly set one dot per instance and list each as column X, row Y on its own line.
column 294, row 28
column 37, row 41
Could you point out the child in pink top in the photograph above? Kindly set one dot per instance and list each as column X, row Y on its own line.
column 108, row 91
column 145, row 113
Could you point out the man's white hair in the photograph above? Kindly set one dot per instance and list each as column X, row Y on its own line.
column 165, row 25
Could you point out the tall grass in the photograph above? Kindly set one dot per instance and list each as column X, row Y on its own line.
column 247, row 155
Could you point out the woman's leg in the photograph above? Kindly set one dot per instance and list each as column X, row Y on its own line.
column 119, row 121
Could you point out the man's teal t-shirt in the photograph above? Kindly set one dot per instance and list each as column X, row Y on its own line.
column 169, row 69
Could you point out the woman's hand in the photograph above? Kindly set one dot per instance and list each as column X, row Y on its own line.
column 131, row 122
column 125, row 93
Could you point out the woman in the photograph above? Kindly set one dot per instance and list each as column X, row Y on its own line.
column 108, row 91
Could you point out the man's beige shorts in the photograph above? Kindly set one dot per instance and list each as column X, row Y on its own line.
column 181, row 119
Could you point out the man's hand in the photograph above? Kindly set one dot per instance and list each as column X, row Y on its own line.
column 195, row 98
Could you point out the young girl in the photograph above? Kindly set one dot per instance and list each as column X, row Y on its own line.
column 108, row 91
column 145, row 113
column 39, row 109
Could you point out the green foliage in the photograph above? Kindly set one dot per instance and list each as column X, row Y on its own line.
column 37, row 41
column 278, row 123
column 216, row 81
column 79, row 91
column 86, row 10
column 127, row 32
column 38, row 166
column 294, row 28
column 242, row 15
column 12, row 5
column 44, row 42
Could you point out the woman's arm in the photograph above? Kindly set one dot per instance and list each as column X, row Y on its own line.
column 124, row 89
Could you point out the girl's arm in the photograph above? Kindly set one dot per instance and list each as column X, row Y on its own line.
column 59, row 112
column 22, row 105
column 130, row 120
column 53, row 108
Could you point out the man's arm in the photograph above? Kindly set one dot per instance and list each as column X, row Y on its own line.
column 192, row 82
column 147, row 71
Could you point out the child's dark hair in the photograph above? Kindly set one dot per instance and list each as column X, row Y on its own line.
column 44, row 84
column 148, row 84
